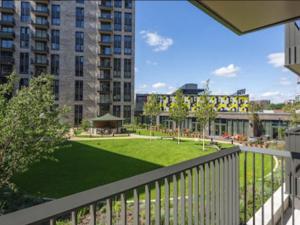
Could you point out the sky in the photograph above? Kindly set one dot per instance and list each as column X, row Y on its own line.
column 176, row 43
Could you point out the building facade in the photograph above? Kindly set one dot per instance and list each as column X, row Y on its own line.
column 87, row 45
column 233, row 116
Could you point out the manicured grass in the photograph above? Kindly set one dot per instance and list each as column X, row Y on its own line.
column 87, row 164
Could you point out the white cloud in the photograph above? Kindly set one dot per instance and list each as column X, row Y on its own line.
column 227, row 71
column 270, row 94
column 285, row 81
column 144, row 86
column 159, row 85
column 276, row 59
column 152, row 63
column 158, row 42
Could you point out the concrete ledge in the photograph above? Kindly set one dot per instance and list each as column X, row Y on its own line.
column 267, row 209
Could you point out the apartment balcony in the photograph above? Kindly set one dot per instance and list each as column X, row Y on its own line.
column 209, row 190
column 103, row 91
column 40, row 11
column 42, row 1
column 39, row 24
column 8, row 8
column 105, row 99
column 105, row 5
column 6, row 60
column 105, row 43
column 104, row 77
column 105, row 17
column 7, row 34
column 106, row 29
column 8, row 48
column 40, row 50
column 37, row 62
column 40, row 37
column 10, row 22
column 105, row 54
column 106, row 66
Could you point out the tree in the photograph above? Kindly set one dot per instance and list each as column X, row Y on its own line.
column 178, row 110
column 293, row 109
column 151, row 109
column 205, row 111
column 31, row 126
column 254, row 108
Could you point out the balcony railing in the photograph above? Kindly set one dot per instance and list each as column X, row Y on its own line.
column 40, row 36
column 40, row 11
column 7, row 47
column 106, row 5
column 7, row 34
column 40, row 24
column 40, row 49
column 212, row 190
column 7, row 8
column 7, row 22
column 8, row 60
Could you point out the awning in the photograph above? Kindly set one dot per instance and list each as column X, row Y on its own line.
column 106, row 117
column 243, row 16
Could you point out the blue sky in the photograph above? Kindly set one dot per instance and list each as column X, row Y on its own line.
column 176, row 43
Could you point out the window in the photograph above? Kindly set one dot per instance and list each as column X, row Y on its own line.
column 55, row 42
column 8, row 3
column 78, row 114
column 24, row 37
column 79, row 66
column 127, row 68
column 128, row 4
column 118, row 21
column 117, row 44
column 24, row 63
column 80, row 1
column 78, row 90
column 79, row 17
column 41, row 59
column 118, row 3
column 117, row 67
column 79, row 41
column 55, row 65
column 117, row 110
column 127, row 45
column 25, row 11
column 127, row 113
column 127, row 92
column 55, row 15
column 40, row 46
column 56, row 89
column 128, row 22
column 116, row 91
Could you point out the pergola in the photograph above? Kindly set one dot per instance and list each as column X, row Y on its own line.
column 107, row 121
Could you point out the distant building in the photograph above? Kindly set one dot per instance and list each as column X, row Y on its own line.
column 262, row 103
column 190, row 89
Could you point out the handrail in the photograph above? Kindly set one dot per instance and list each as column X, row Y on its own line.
column 272, row 152
column 67, row 204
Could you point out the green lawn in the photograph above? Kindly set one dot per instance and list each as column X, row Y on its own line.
column 87, row 164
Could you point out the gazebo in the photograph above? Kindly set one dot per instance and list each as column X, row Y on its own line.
column 107, row 124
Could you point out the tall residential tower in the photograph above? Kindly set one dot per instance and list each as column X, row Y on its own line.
column 88, row 45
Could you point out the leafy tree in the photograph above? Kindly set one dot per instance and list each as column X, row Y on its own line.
column 205, row 111
column 178, row 110
column 85, row 125
column 31, row 126
column 151, row 109
column 293, row 109
column 254, row 108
